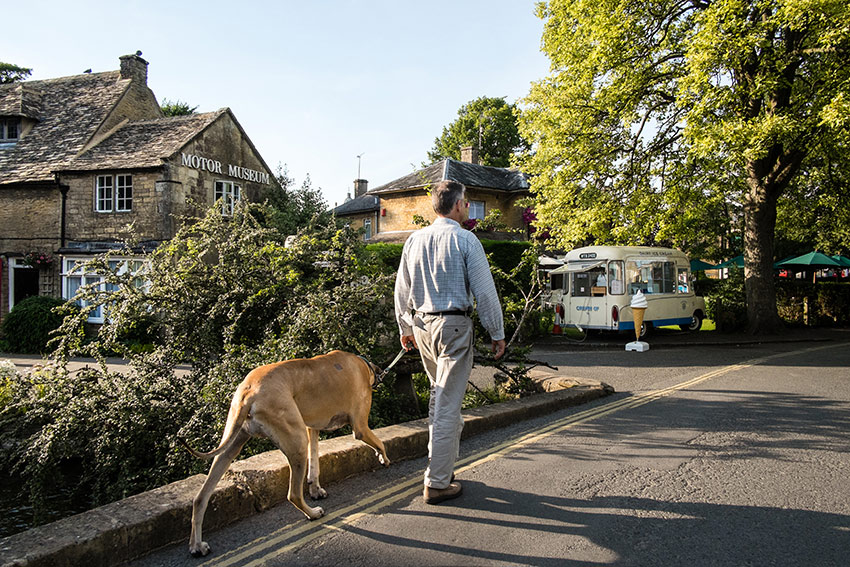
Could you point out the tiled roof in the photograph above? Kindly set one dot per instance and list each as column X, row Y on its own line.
column 471, row 175
column 71, row 110
column 362, row 204
column 144, row 143
column 21, row 100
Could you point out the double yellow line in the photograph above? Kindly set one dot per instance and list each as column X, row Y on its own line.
column 307, row 532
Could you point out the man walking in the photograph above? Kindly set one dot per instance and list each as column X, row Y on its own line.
column 443, row 266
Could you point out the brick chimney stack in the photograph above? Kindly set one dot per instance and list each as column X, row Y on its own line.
column 469, row 154
column 135, row 68
column 360, row 187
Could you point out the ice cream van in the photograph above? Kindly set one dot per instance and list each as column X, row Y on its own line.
column 594, row 288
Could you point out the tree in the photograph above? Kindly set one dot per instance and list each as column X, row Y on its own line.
column 487, row 123
column 659, row 118
column 177, row 108
column 10, row 73
column 294, row 208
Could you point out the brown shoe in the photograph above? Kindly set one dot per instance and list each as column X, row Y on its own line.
column 437, row 495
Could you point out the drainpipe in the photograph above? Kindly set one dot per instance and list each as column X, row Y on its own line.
column 63, row 189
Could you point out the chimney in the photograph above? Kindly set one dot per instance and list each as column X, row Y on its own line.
column 360, row 186
column 135, row 68
column 469, row 154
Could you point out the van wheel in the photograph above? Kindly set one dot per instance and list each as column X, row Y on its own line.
column 645, row 329
column 695, row 324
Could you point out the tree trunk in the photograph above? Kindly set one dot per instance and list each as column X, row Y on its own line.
column 759, row 234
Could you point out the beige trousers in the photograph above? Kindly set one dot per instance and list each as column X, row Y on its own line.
column 445, row 345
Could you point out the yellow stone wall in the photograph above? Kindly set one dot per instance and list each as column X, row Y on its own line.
column 401, row 207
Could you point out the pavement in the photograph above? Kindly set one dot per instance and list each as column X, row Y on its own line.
column 130, row 528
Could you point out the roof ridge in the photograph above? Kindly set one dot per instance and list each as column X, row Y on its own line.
column 90, row 76
column 184, row 117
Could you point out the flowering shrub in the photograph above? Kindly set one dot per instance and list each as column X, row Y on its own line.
column 7, row 370
column 8, row 373
column 224, row 296
column 38, row 260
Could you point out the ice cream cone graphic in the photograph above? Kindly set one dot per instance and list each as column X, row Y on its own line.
column 638, row 305
column 637, row 314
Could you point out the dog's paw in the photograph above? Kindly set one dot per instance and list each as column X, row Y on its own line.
column 315, row 513
column 383, row 460
column 318, row 493
column 201, row 550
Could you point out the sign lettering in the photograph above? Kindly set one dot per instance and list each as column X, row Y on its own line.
column 215, row 166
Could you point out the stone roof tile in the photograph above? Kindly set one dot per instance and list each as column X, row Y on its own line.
column 72, row 108
column 143, row 143
column 363, row 204
column 470, row 174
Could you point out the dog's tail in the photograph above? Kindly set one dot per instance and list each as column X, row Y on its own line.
column 235, row 419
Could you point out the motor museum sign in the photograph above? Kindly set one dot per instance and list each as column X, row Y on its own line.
column 215, row 166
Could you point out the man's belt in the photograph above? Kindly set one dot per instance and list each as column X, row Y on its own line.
column 444, row 313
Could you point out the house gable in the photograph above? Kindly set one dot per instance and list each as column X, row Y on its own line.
column 406, row 198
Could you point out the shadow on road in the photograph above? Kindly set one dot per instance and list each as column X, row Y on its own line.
column 633, row 531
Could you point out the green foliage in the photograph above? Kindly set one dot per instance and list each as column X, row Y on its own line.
column 28, row 327
column 822, row 303
column 295, row 207
column 177, row 108
column 683, row 124
column 491, row 222
column 10, row 73
column 8, row 378
column 514, row 269
column 725, row 301
column 420, row 221
column 490, row 121
column 389, row 254
column 224, row 296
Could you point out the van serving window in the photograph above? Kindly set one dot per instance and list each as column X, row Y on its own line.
column 651, row 276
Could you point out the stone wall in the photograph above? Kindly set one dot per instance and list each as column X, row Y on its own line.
column 401, row 207
column 143, row 222
column 29, row 218
column 221, row 141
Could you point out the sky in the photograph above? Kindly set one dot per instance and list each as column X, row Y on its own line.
column 314, row 83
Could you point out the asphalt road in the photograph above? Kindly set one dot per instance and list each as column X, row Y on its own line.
column 722, row 455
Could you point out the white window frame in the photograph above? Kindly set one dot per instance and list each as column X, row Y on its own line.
column 474, row 212
column 73, row 277
column 230, row 193
column 117, row 196
column 367, row 226
column 12, row 264
column 104, row 194
column 123, row 193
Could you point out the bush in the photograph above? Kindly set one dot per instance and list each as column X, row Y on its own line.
column 388, row 253
column 28, row 327
column 726, row 301
column 828, row 303
column 224, row 296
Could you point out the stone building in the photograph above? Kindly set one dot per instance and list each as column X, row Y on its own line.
column 387, row 212
column 89, row 162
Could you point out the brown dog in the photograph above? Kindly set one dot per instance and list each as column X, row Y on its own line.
column 290, row 402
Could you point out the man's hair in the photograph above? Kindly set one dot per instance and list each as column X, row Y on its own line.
column 445, row 194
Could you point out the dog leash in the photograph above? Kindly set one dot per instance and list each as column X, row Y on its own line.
column 383, row 373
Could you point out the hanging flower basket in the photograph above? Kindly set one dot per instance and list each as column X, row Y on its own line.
column 38, row 260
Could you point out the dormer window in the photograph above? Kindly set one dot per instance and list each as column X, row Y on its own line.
column 10, row 129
